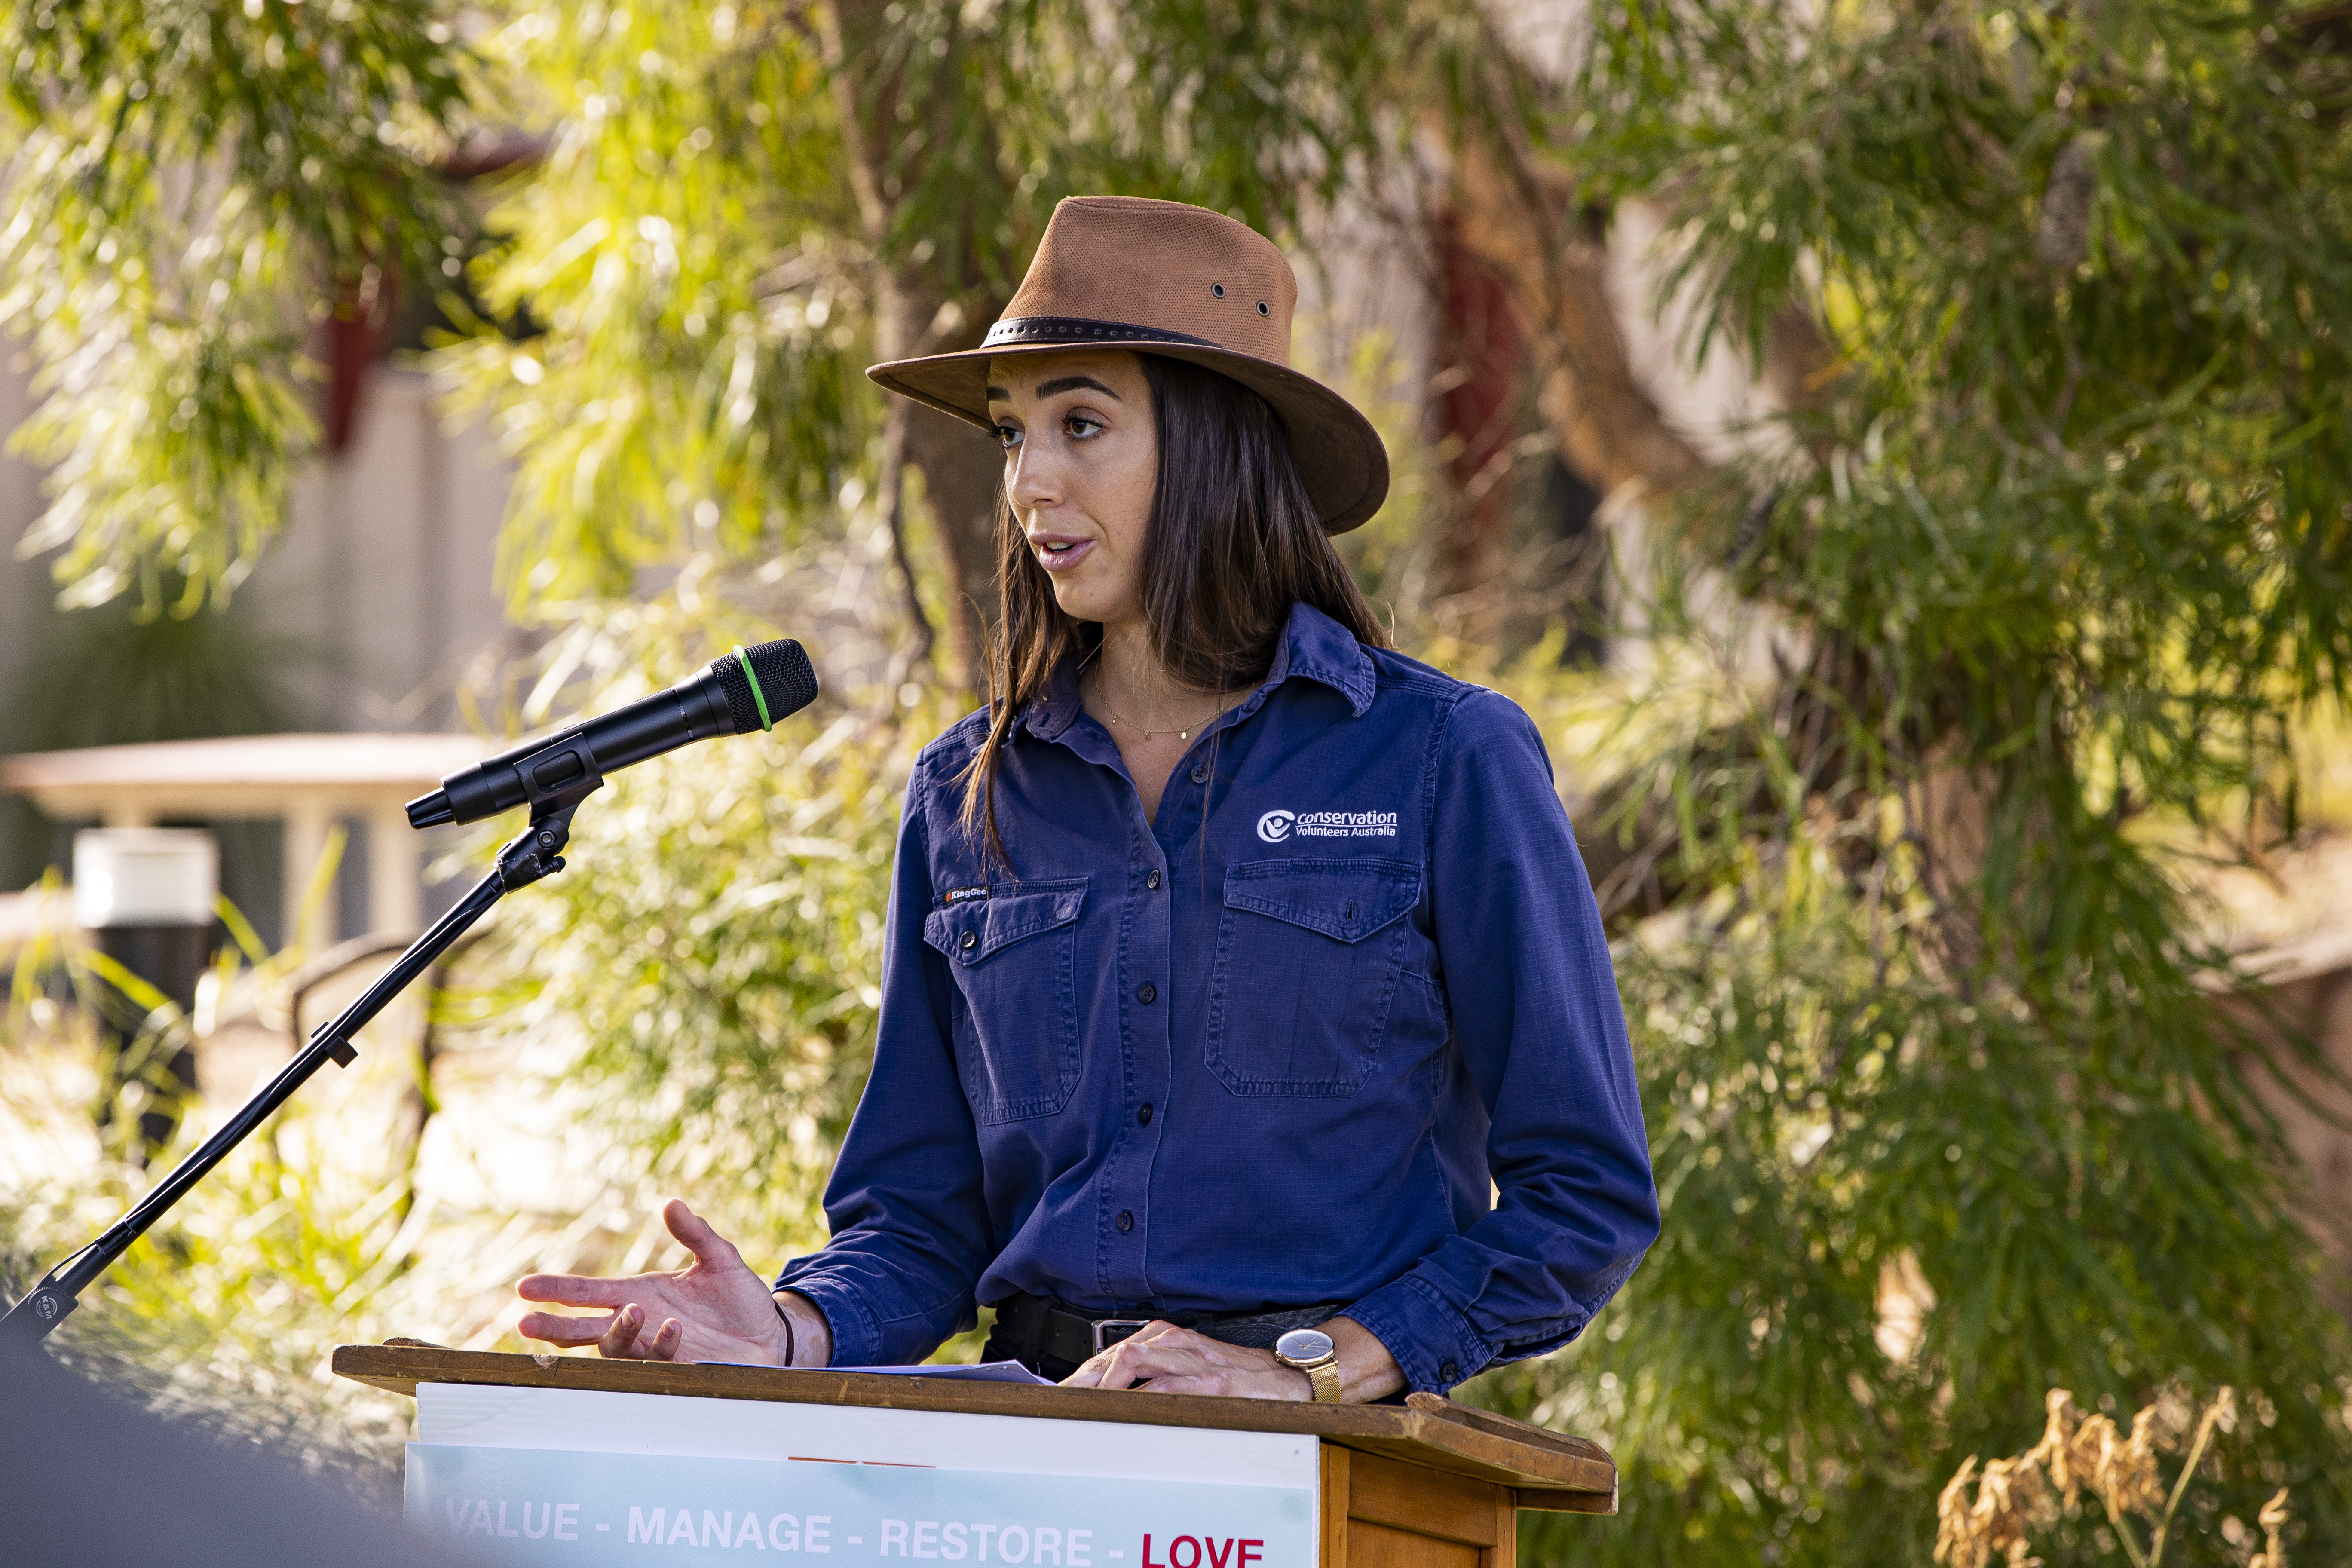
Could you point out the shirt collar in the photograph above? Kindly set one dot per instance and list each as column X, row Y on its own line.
column 1313, row 647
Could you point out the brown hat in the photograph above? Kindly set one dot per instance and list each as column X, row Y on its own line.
column 1119, row 272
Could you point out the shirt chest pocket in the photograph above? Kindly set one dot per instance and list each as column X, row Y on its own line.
column 1310, row 954
column 1013, row 957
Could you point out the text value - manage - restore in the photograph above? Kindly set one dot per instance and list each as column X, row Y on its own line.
column 525, row 1506
column 952, row 1540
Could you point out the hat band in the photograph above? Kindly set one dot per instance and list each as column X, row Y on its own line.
column 1025, row 331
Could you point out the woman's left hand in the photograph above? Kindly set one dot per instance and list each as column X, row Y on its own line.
column 1165, row 1359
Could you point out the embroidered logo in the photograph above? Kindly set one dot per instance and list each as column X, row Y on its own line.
column 970, row 895
column 1276, row 825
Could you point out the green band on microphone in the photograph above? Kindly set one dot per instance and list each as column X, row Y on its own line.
column 757, row 695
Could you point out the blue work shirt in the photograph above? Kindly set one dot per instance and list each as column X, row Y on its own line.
column 1269, row 1048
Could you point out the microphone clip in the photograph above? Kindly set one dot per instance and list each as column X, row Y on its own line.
column 560, row 775
column 557, row 779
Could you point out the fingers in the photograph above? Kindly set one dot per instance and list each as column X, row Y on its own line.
column 1099, row 1371
column 574, row 1289
column 1170, row 1359
column 622, row 1332
column 694, row 1234
column 614, row 1335
column 1230, row 1383
column 1158, row 1347
column 557, row 1330
column 1127, row 1369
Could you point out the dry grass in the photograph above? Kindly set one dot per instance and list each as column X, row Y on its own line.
column 2018, row 1498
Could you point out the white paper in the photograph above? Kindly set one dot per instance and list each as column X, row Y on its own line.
column 950, row 1371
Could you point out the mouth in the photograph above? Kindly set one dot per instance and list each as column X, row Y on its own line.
column 1056, row 554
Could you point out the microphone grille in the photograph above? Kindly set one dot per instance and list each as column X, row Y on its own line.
column 787, row 682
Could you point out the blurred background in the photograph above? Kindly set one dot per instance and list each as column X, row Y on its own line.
column 1900, row 453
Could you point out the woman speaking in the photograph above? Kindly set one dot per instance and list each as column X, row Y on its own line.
column 1247, row 1026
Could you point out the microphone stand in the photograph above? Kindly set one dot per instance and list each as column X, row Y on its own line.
column 534, row 853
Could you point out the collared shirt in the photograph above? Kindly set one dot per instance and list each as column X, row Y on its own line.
column 1336, row 1024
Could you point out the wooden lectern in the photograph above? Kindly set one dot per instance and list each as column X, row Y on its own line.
column 1426, row 1484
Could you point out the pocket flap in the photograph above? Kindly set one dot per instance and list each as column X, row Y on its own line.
column 1348, row 900
column 970, row 933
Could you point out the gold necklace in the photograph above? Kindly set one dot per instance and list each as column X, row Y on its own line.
column 1183, row 734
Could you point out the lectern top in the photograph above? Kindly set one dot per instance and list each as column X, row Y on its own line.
column 1433, row 1433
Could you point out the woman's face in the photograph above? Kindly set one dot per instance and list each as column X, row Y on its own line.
column 1081, row 461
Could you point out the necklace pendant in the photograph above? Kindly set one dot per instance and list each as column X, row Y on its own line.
column 1183, row 734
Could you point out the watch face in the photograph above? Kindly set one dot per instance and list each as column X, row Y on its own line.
column 1303, row 1344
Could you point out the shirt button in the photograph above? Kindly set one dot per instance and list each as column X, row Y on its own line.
column 1127, row 1223
column 1153, row 882
column 1143, row 1117
column 1448, row 1373
column 1200, row 774
column 1146, row 992
column 972, row 939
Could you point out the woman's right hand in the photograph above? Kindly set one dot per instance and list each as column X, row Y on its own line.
column 715, row 1309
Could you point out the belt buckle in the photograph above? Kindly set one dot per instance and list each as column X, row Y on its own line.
column 1130, row 1325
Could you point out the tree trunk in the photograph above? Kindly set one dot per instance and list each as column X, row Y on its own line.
column 919, row 311
column 963, row 471
column 1608, row 429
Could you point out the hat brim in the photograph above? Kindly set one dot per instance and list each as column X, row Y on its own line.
column 1340, row 457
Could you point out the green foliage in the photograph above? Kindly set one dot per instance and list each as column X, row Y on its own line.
column 183, row 672
column 682, row 249
column 710, row 953
column 2048, row 569
column 2047, row 564
column 187, row 185
column 228, row 1314
column 169, row 677
column 699, row 256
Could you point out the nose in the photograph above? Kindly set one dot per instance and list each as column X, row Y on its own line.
column 1030, row 479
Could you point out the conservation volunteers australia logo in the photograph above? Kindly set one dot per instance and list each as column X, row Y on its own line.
column 1276, row 825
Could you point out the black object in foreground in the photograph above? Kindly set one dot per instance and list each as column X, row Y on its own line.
column 89, row 1479
column 554, row 791
column 747, row 689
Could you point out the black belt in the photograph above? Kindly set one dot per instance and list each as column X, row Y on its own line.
column 1051, row 1337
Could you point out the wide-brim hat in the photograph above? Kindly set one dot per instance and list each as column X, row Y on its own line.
column 1119, row 272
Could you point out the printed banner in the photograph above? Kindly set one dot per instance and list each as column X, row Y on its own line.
column 554, row 1506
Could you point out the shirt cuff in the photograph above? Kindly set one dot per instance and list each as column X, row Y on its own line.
column 1434, row 1345
column 856, row 1337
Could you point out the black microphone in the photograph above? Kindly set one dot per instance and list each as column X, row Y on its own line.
column 747, row 689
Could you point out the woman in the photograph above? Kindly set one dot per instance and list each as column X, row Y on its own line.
column 1231, row 956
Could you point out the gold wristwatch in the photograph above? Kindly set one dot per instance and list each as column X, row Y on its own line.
column 1310, row 1351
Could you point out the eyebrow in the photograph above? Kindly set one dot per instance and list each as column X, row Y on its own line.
column 1060, row 384
column 1073, row 383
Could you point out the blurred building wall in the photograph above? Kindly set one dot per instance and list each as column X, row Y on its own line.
column 384, row 574
column 381, row 590
column 387, row 569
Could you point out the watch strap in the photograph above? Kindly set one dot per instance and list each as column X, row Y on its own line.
column 1324, row 1376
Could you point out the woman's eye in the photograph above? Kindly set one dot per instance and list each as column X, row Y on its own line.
column 1081, row 427
column 1008, row 437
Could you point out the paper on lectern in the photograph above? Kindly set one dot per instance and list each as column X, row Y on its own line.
column 946, row 1372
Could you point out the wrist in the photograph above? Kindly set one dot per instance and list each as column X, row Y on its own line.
column 783, row 1340
column 1314, row 1356
column 810, row 1341
column 1366, row 1367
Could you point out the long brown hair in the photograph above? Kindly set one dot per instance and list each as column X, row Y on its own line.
column 1233, row 542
